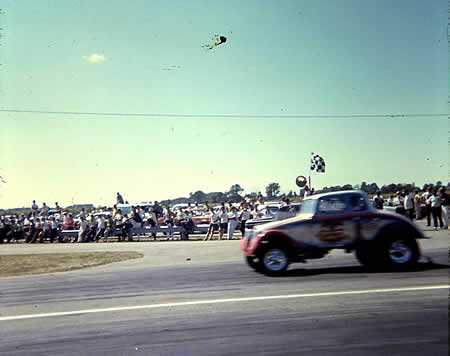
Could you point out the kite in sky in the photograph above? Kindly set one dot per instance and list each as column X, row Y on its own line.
column 215, row 41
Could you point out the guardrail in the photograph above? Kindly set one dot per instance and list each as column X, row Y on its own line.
column 144, row 231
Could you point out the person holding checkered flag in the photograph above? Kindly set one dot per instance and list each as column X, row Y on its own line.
column 317, row 163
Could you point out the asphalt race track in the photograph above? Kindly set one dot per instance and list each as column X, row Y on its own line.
column 196, row 298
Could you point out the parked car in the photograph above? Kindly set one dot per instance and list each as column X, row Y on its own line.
column 339, row 220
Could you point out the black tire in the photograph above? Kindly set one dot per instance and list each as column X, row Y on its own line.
column 389, row 253
column 273, row 260
column 252, row 262
column 366, row 254
column 399, row 253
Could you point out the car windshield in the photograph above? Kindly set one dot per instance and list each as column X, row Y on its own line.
column 308, row 207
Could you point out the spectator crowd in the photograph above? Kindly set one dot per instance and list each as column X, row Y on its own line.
column 125, row 221
column 432, row 204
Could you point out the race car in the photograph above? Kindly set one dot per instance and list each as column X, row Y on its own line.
column 338, row 220
column 274, row 213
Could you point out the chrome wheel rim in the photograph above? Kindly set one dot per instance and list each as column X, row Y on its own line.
column 399, row 252
column 275, row 260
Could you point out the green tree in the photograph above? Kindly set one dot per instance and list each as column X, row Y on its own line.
column 198, row 196
column 236, row 189
column 272, row 190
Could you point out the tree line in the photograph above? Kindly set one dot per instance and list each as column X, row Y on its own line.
column 272, row 192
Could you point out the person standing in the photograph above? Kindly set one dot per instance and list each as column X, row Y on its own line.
column 2, row 229
column 110, row 227
column 244, row 216
column 37, row 230
column 183, row 221
column 34, row 208
column 378, row 201
column 83, row 230
column 223, row 215
column 153, row 222
column 101, row 228
column 168, row 220
column 408, row 204
column 418, row 204
column 425, row 196
column 214, row 221
column 232, row 222
column 54, row 226
column 44, row 210
column 92, row 228
column 445, row 200
column 436, row 210
column 119, row 198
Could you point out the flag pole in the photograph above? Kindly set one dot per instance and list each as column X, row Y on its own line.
column 309, row 176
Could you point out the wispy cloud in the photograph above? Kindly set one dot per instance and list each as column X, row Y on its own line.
column 95, row 58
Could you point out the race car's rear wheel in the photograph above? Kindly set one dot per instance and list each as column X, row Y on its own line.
column 366, row 255
column 273, row 261
column 400, row 253
column 394, row 253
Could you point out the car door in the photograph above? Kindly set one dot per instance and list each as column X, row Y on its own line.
column 334, row 223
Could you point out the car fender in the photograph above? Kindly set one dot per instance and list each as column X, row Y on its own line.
column 273, row 237
column 398, row 227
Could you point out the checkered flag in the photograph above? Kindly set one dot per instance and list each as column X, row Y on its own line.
column 317, row 163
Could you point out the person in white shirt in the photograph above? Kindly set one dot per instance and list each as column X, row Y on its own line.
column 232, row 222
column 101, row 228
column 418, row 204
column 223, row 222
column 183, row 221
column 34, row 208
column 408, row 204
column 244, row 216
column 82, row 231
column 436, row 210
column 214, row 221
column 425, row 197
column 54, row 226
column 398, row 203
column 398, row 200
column 256, row 213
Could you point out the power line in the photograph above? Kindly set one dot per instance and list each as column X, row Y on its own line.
column 222, row 116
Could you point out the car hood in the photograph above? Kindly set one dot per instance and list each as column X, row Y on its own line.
column 278, row 223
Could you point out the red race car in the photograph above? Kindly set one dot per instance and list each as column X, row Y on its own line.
column 338, row 220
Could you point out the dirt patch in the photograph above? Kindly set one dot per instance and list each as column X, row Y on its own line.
column 17, row 265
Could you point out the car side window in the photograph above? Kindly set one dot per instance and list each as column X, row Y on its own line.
column 331, row 205
column 357, row 203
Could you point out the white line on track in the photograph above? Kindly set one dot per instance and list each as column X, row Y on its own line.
column 219, row 301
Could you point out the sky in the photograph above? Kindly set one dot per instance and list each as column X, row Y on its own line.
column 282, row 58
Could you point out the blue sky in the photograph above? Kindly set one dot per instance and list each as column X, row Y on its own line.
column 281, row 58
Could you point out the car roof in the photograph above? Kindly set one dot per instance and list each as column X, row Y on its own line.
column 342, row 192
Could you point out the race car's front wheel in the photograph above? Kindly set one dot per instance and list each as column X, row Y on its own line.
column 252, row 262
column 273, row 261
